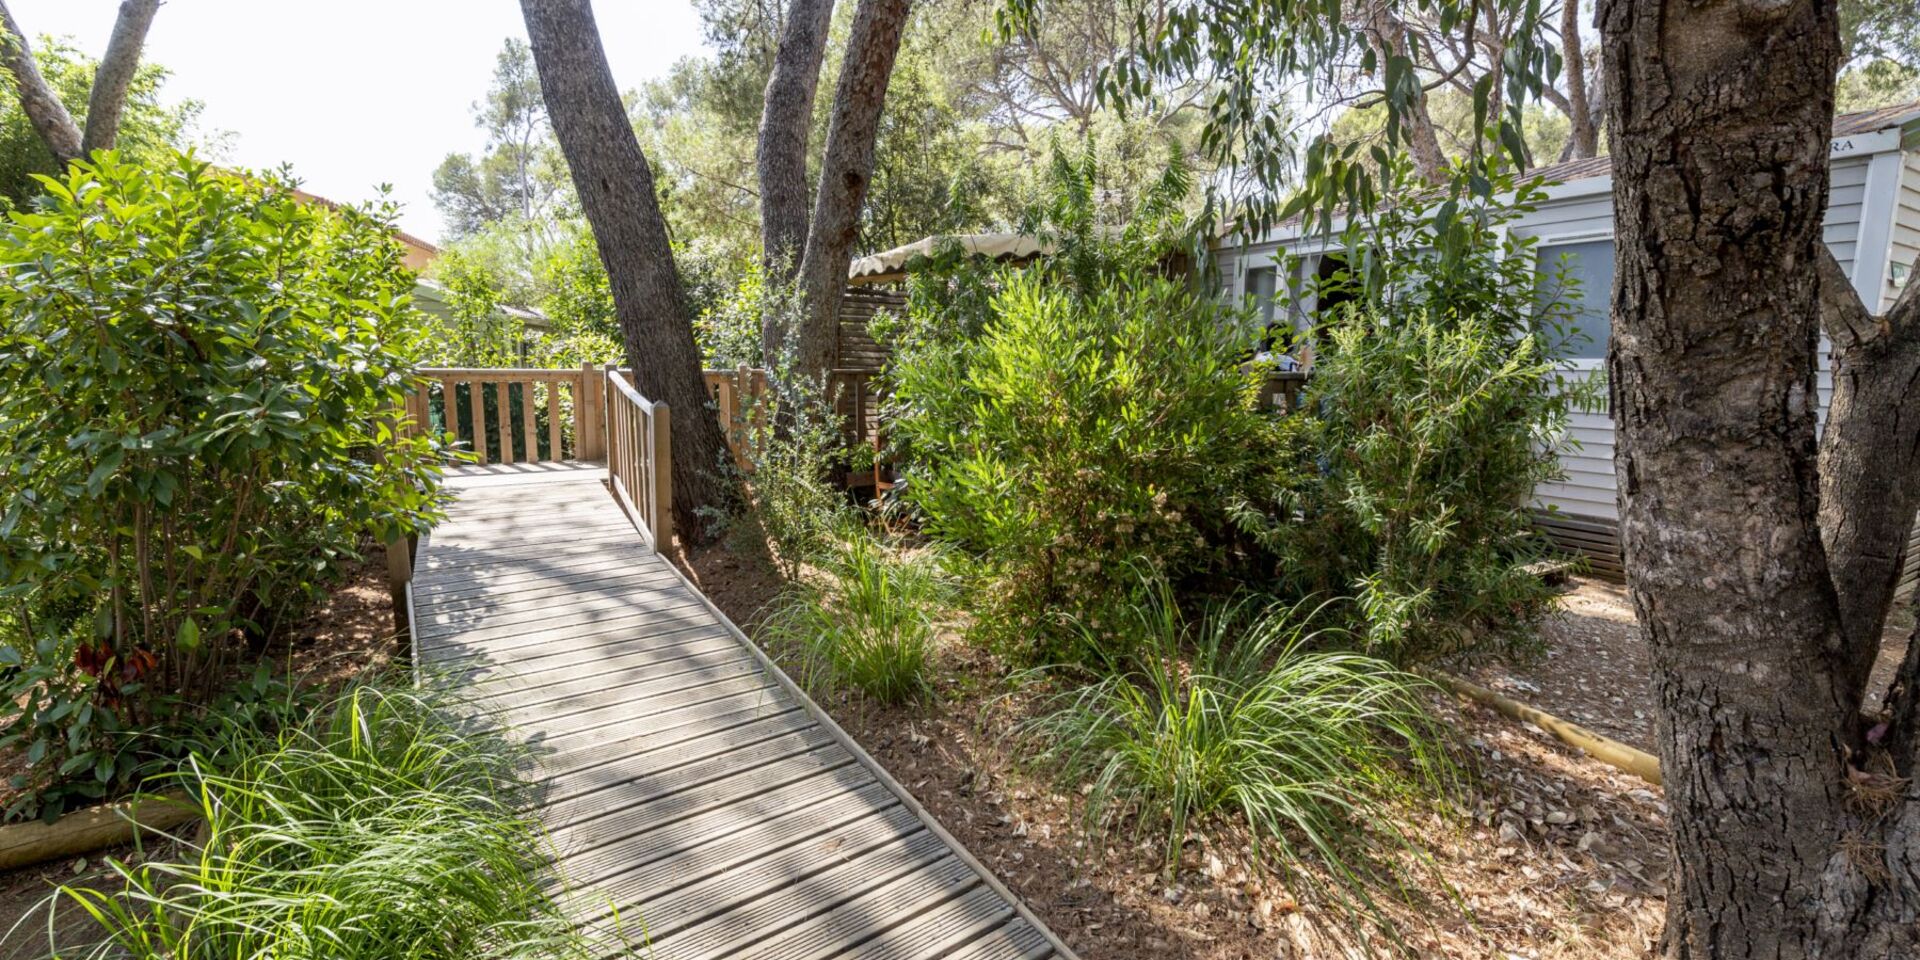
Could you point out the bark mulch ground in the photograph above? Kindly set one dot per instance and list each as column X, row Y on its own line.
column 1548, row 854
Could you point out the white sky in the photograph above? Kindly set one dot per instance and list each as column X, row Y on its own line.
column 354, row 93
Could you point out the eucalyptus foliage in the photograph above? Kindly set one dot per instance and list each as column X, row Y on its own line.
column 1260, row 60
column 204, row 376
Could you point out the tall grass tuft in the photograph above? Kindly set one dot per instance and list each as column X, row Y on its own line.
column 387, row 827
column 870, row 624
column 1237, row 712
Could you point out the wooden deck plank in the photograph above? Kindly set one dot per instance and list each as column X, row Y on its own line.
column 883, row 844
column 689, row 790
column 857, row 920
column 589, row 692
column 537, row 631
column 831, row 828
column 599, row 582
column 740, row 729
column 482, row 670
column 457, row 647
column 1015, row 940
column 650, row 841
column 805, row 881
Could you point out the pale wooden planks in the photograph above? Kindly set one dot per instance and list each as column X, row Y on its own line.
column 688, row 789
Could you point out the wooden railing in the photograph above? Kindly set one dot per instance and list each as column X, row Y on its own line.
column 507, row 415
column 736, row 401
column 639, row 457
column 736, row 395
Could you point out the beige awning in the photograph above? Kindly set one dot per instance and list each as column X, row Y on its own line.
column 892, row 264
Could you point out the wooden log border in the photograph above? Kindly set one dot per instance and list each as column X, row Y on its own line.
column 94, row 828
column 1633, row 760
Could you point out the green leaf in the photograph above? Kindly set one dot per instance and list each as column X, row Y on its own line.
column 108, row 464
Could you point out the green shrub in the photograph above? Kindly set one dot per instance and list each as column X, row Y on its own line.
column 1085, row 430
column 202, row 379
column 1239, row 713
column 1436, row 406
column 1434, row 435
column 870, row 624
column 385, row 827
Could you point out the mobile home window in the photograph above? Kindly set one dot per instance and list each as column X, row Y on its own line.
column 1591, row 263
column 1260, row 288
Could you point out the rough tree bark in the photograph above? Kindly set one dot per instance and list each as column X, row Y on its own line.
column 117, row 66
column 616, row 191
column 786, row 117
column 108, row 98
column 1758, row 558
column 846, row 172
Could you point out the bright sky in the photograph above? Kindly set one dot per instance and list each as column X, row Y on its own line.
column 355, row 93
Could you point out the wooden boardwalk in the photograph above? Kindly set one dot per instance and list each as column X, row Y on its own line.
column 700, row 805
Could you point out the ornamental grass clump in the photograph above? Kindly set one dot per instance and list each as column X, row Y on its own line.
column 386, row 827
column 1243, row 713
column 870, row 624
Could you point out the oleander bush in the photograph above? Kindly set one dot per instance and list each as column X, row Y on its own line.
column 1091, row 429
column 385, row 825
column 1438, row 403
column 202, row 379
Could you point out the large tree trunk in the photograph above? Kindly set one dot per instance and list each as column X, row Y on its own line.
column 782, row 155
column 1388, row 35
column 42, row 106
column 117, row 67
column 845, row 174
column 1583, row 136
column 781, row 152
column 108, row 98
column 1796, row 832
column 617, row 194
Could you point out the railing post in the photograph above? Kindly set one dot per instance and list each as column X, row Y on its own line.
column 399, row 574
column 589, row 416
column 602, row 425
column 476, row 418
column 662, row 492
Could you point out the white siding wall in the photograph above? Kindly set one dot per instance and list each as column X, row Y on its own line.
column 1906, row 226
column 1588, row 490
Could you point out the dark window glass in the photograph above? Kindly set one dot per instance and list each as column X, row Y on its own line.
column 1586, row 267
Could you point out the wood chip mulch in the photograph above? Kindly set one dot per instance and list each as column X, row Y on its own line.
column 1546, row 854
